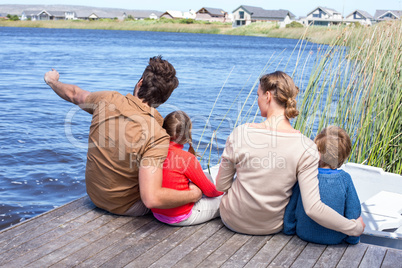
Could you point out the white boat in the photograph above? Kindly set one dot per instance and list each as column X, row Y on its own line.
column 380, row 194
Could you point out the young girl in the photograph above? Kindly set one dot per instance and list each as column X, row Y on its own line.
column 181, row 167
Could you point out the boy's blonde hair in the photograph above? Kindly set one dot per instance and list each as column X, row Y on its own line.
column 334, row 146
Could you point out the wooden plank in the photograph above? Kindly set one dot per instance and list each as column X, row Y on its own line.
column 188, row 245
column 289, row 253
column 65, row 255
column 41, row 246
column 196, row 256
column 373, row 257
column 123, row 258
column 47, row 237
column 43, row 223
column 108, row 253
column 247, row 251
column 78, row 234
column 309, row 256
column 393, row 259
column 269, row 251
column 331, row 256
column 102, row 243
column 352, row 256
column 44, row 217
column 64, row 221
column 159, row 250
column 224, row 252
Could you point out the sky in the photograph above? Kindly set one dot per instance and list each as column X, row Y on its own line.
column 297, row 7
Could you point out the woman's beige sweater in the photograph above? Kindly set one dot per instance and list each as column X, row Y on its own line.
column 258, row 171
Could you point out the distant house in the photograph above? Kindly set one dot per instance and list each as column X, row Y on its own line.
column 244, row 15
column 174, row 14
column 142, row 14
column 88, row 13
column 82, row 15
column 47, row 15
column 44, row 15
column 93, row 16
column 30, row 14
column 359, row 16
column 99, row 14
column 3, row 16
column 70, row 15
column 211, row 14
column 323, row 16
column 57, row 15
column 381, row 15
column 155, row 15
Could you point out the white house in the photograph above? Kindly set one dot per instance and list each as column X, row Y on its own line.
column 93, row 16
column 174, row 14
column 244, row 15
column 47, row 15
column 381, row 15
column 360, row 16
column 322, row 16
column 30, row 15
column 70, row 15
column 155, row 15
column 142, row 14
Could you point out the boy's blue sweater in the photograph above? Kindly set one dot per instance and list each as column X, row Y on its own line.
column 338, row 192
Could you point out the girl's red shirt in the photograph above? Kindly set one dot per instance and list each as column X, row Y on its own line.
column 179, row 168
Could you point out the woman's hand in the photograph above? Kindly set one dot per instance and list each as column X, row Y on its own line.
column 362, row 222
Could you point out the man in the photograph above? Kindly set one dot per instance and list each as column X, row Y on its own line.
column 127, row 144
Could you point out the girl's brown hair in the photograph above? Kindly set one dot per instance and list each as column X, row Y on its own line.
column 283, row 89
column 334, row 145
column 178, row 125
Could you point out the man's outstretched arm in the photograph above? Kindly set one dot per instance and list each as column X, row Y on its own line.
column 153, row 195
column 67, row 92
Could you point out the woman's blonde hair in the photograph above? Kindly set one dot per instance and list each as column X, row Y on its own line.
column 178, row 125
column 334, row 146
column 283, row 89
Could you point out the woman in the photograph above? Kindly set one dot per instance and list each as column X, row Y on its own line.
column 268, row 158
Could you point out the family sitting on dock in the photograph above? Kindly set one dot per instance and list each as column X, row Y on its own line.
column 136, row 163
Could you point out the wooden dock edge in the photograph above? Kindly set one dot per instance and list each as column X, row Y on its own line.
column 79, row 234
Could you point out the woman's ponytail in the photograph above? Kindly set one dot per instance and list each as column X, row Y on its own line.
column 290, row 108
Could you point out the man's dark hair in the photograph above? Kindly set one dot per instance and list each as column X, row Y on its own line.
column 158, row 82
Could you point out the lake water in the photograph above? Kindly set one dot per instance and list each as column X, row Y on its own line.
column 43, row 138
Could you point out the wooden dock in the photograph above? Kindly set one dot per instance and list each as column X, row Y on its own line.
column 78, row 234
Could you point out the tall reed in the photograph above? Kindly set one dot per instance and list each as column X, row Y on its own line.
column 355, row 83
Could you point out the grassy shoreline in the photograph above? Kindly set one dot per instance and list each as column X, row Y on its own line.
column 322, row 35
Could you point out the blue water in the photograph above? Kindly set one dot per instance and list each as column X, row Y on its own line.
column 43, row 138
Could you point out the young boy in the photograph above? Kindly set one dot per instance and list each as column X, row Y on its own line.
column 336, row 191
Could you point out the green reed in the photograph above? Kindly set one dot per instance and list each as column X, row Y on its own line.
column 358, row 87
column 355, row 83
